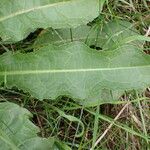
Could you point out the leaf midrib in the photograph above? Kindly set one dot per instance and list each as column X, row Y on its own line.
column 23, row 11
column 25, row 72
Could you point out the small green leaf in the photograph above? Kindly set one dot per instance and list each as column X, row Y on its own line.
column 72, row 119
column 17, row 132
column 61, row 36
column 107, row 36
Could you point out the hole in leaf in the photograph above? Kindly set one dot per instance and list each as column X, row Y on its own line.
column 95, row 47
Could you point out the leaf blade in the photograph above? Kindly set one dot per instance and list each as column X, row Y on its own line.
column 106, row 36
column 19, row 133
column 55, row 71
column 42, row 14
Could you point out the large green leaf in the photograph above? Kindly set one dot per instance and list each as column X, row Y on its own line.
column 76, row 71
column 17, row 132
column 19, row 18
column 106, row 36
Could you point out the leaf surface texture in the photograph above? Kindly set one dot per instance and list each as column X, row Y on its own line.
column 17, row 132
column 75, row 70
column 19, row 18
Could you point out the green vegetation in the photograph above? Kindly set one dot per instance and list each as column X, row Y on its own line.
column 74, row 75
